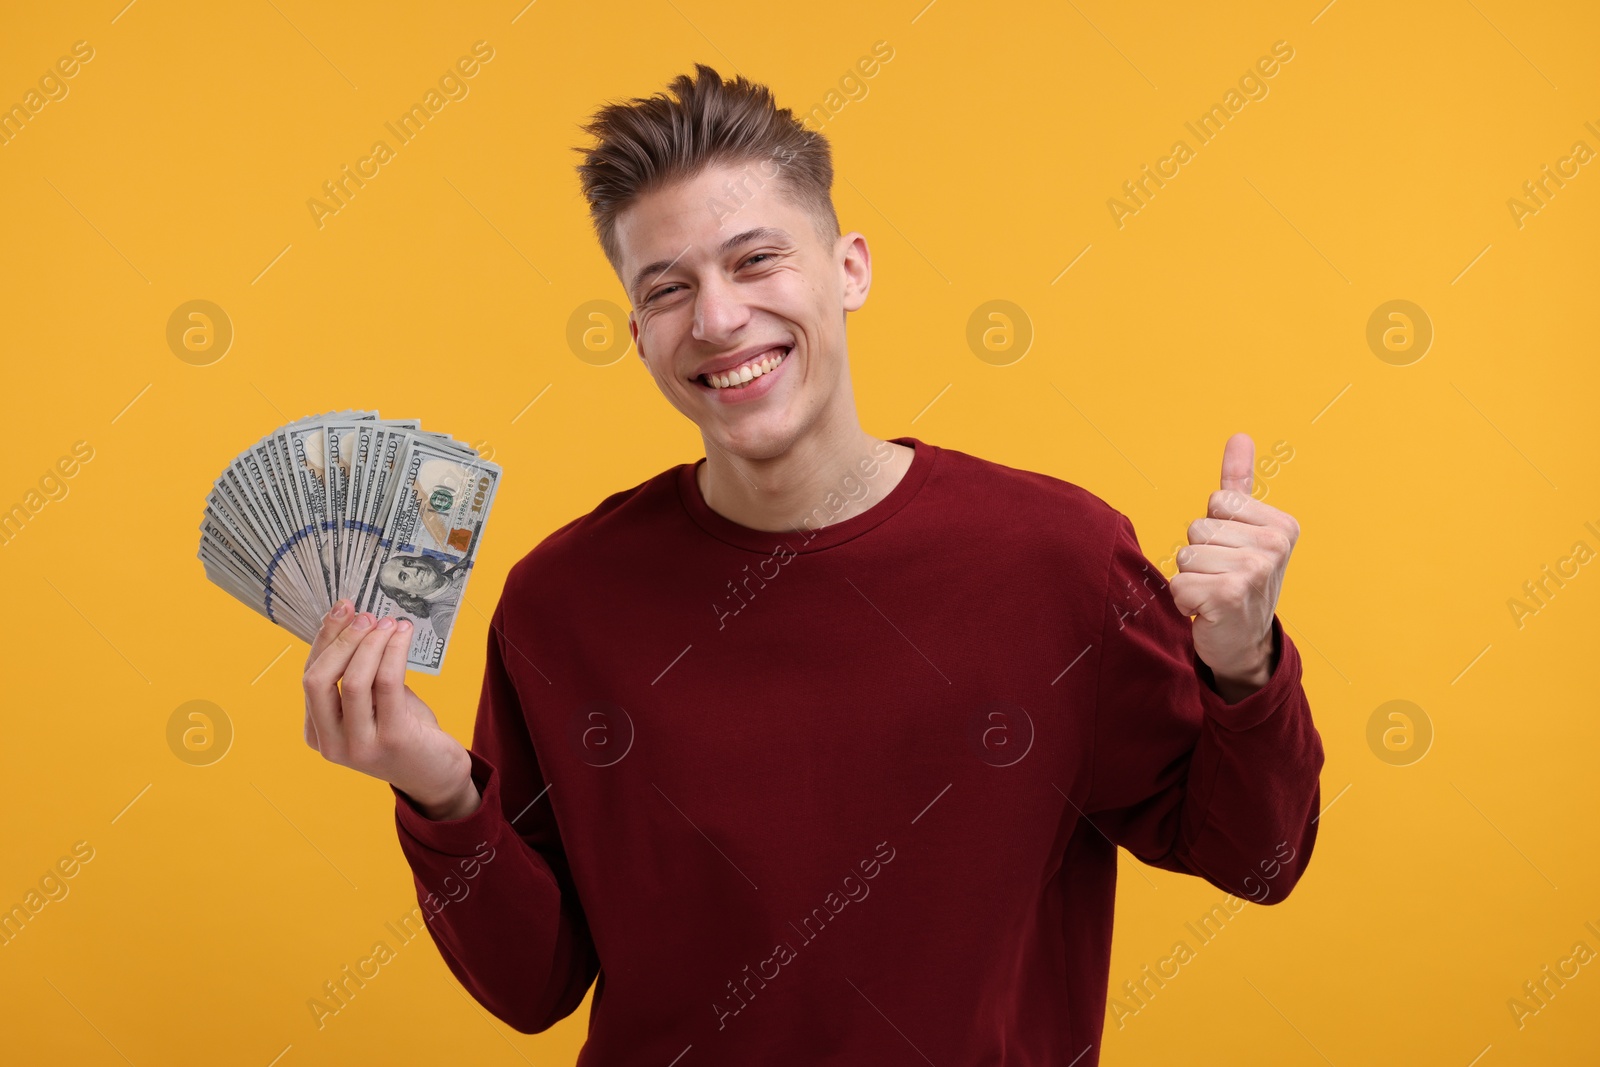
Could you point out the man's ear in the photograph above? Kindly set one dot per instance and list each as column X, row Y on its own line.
column 855, row 261
column 633, row 331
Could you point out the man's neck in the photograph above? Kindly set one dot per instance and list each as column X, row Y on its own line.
column 808, row 482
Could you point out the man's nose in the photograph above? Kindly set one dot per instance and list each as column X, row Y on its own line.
column 719, row 311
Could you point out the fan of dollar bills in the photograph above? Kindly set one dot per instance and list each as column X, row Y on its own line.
column 347, row 505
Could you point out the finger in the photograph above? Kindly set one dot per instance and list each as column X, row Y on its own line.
column 1241, row 506
column 1213, row 559
column 389, row 686
column 322, row 685
column 1206, row 570
column 1191, row 593
column 1238, row 460
column 1211, row 531
column 359, row 727
column 333, row 623
column 1212, row 597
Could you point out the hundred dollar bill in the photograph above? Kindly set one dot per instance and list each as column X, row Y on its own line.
column 428, row 543
column 345, row 505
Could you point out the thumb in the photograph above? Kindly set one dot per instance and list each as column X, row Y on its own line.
column 1238, row 461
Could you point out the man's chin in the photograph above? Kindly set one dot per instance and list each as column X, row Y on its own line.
column 754, row 437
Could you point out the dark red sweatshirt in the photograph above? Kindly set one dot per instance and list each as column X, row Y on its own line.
column 848, row 794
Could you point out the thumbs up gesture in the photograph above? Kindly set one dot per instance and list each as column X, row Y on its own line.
column 1230, row 574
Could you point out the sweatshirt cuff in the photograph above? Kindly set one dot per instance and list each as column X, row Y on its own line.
column 1258, row 706
column 456, row 837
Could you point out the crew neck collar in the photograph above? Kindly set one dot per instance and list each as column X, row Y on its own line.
column 808, row 539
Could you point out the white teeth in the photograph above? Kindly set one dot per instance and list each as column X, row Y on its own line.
column 748, row 372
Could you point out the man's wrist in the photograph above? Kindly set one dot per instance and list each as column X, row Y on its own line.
column 458, row 804
column 1233, row 687
column 1232, row 690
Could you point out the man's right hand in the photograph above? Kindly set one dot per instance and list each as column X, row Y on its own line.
column 361, row 714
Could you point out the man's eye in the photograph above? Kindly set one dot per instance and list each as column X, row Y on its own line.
column 663, row 292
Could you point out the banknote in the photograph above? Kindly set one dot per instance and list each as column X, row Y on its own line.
column 435, row 513
column 347, row 505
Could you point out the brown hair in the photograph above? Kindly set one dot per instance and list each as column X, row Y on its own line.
column 651, row 142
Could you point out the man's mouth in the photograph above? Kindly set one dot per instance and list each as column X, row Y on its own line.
column 748, row 371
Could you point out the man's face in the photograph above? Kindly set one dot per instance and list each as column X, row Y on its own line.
column 408, row 574
column 735, row 274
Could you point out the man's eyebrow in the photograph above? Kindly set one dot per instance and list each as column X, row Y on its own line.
column 759, row 233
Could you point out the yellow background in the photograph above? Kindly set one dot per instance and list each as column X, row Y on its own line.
column 979, row 164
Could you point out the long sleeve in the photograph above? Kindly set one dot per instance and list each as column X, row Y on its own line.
column 495, row 888
column 1183, row 780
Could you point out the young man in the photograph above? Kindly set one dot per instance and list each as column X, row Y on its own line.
column 819, row 749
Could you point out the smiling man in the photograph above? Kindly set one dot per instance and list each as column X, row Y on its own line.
column 819, row 749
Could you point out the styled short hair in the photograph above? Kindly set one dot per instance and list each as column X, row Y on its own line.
column 648, row 143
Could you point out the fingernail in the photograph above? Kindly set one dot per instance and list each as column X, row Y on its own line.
column 385, row 622
column 341, row 609
column 405, row 626
column 362, row 621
